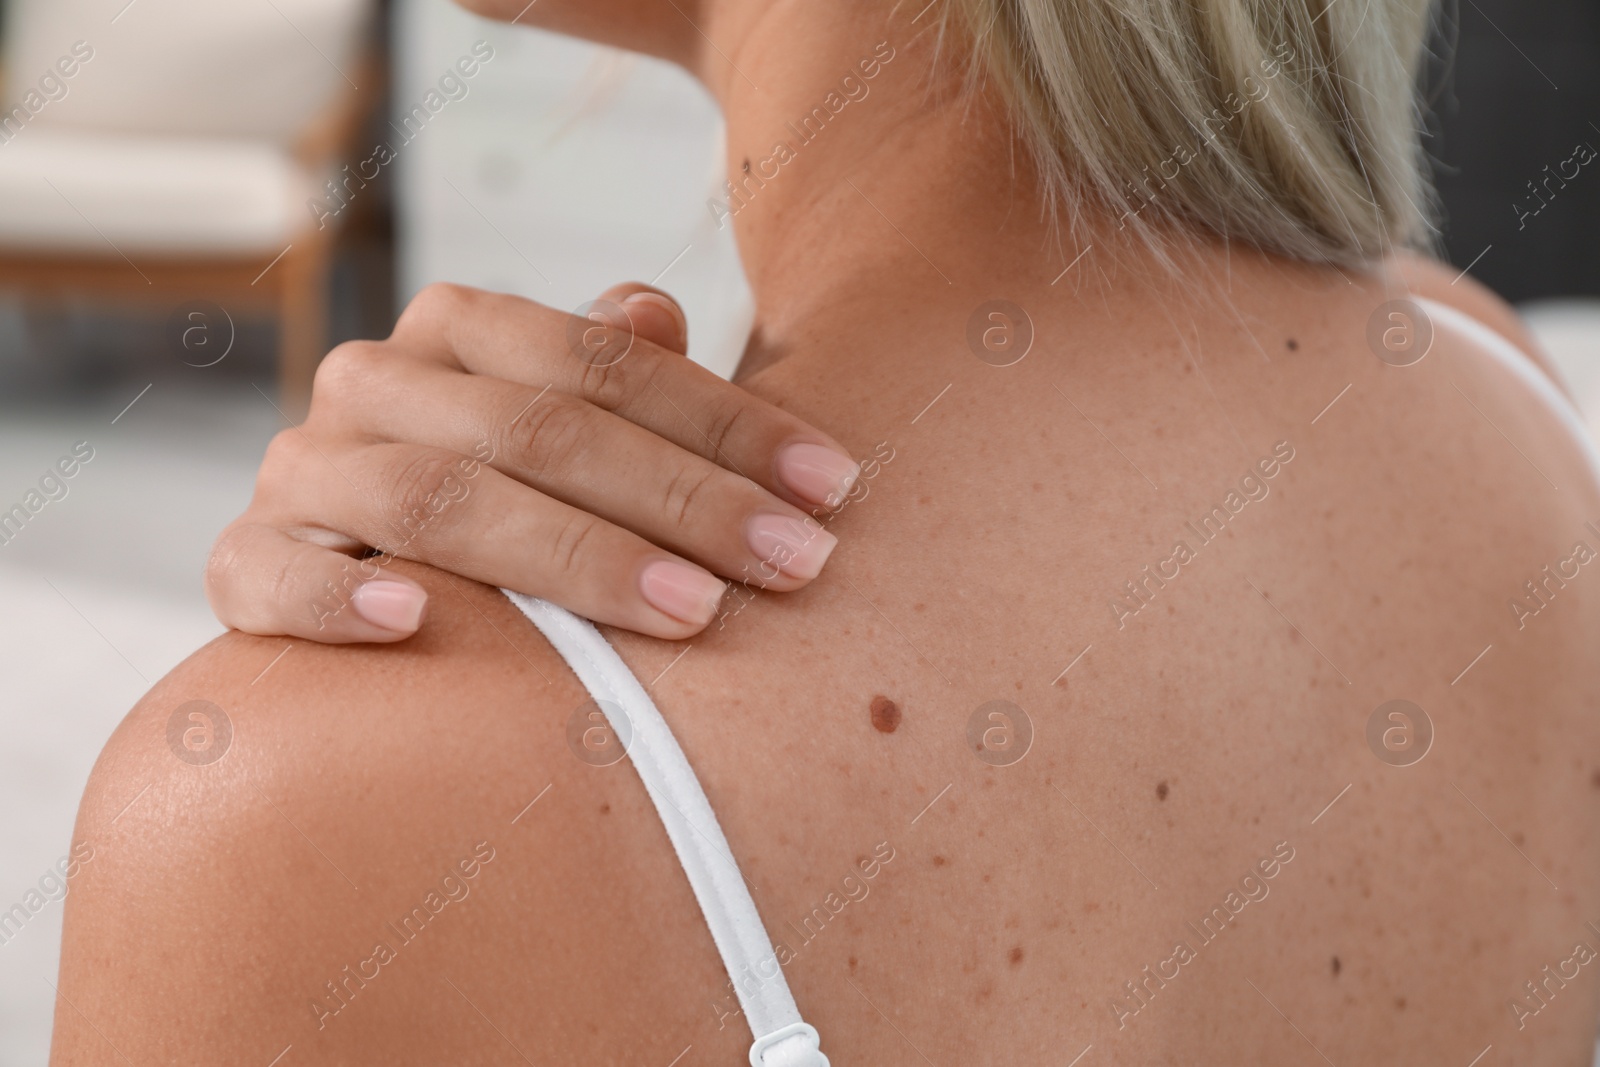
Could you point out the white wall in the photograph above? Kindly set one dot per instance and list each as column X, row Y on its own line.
column 564, row 160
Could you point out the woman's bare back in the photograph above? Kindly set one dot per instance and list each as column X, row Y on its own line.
column 1018, row 779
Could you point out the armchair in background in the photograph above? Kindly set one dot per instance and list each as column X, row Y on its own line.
column 156, row 151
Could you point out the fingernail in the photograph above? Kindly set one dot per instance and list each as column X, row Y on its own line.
column 685, row 592
column 796, row 547
column 391, row 605
column 817, row 473
column 656, row 300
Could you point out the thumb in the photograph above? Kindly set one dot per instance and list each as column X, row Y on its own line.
column 655, row 316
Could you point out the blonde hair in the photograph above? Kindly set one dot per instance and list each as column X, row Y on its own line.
column 1293, row 125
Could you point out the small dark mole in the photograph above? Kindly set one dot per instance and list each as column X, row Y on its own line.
column 747, row 163
column 1016, row 955
column 919, row 607
column 1594, row 779
column 1291, row 344
column 939, row 861
column 885, row 715
column 1171, row 610
column 1038, row 487
column 605, row 809
column 852, row 965
column 1516, row 835
column 1161, row 790
column 1337, row 966
column 1400, row 1003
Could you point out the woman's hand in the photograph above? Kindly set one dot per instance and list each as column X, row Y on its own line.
column 586, row 461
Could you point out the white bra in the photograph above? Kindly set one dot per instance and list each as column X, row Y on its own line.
column 782, row 1038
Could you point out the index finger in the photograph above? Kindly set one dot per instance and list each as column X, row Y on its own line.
column 599, row 360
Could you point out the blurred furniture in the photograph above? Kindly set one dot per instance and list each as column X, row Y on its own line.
column 179, row 158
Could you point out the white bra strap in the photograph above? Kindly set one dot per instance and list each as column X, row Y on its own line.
column 1517, row 362
column 782, row 1038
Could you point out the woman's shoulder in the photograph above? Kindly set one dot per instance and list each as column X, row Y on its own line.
column 1429, row 278
column 374, row 844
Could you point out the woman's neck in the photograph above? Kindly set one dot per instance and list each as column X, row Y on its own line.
column 861, row 174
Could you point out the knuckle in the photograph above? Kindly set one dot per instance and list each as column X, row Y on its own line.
column 435, row 302
column 285, row 452
column 548, row 436
column 346, row 373
column 719, row 430
column 611, row 386
column 224, row 563
column 420, row 490
column 684, row 490
column 282, row 586
column 566, row 551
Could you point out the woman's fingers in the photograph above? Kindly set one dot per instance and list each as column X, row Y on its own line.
column 600, row 463
column 580, row 458
column 264, row 581
column 454, row 512
column 601, row 360
column 652, row 314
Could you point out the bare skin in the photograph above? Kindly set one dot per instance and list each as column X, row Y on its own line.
column 1218, row 731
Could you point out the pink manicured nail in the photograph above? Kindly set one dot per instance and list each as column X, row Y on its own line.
column 817, row 474
column 796, row 547
column 683, row 591
column 391, row 605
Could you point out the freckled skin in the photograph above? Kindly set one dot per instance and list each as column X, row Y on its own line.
column 206, row 922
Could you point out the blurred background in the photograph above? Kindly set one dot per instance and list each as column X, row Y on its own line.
column 199, row 197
